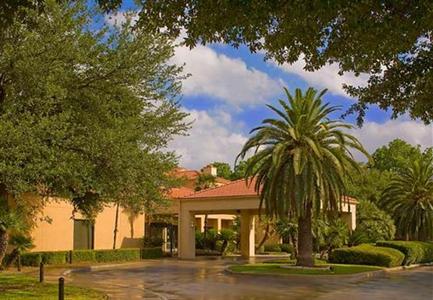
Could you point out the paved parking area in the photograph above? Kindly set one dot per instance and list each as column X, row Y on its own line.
column 206, row 279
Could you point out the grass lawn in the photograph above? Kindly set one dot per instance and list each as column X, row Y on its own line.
column 18, row 286
column 274, row 268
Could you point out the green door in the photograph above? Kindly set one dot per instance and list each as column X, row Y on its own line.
column 83, row 234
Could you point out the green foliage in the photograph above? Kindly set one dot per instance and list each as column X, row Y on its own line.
column 395, row 156
column 354, row 35
column 27, row 287
column 368, row 184
column 374, row 224
column 415, row 252
column 223, row 169
column 148, row 253
column 205, row 181
column 288, row 248
column 83, row 256
column 300, row 161
column 272, row 248
column 55, row 257
column 330, row 234
column 367, row 255
column 154, row 241
column 117, row 255
column 48, row 257
column 31, row 259
column 199, row 240
column 409, row 200
column 96, row 118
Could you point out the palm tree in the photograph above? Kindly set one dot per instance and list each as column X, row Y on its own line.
column 299, row 163
column 409, row 199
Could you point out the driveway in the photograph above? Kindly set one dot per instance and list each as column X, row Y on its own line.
column 205, row 279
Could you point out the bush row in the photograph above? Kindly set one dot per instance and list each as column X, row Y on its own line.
column 279, row 248
column 414, row 252
column 367, row 254
column 76, row 256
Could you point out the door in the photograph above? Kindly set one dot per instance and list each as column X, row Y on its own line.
column 83, row 234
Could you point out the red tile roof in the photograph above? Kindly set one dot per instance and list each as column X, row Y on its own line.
column 231, row 189
column 237, row 188
column 180, row 192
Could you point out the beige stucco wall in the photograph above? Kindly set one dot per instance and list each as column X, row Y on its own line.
column 59, row 233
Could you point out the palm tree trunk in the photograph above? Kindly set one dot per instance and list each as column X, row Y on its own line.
column 305, row 239
column 4, row 239
column 265, row 236
column 131, row 224
column 116, row 223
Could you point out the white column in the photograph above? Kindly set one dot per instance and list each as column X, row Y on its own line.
column 219, row 224
column 186, row 228
column 247, row 234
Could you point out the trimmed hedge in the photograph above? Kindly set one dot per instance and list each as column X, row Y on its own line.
column 366, row 254
column 147, row 253
column 272, row 248
column 62, row 257
column 55, row 257
column 83, row 256
column 415, row 252
column 32, row 259
column 117, row 255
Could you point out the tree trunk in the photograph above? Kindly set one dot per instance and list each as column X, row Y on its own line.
column 265, row 236
column 294, row 241
column 131, row 224
column 305, row 240
column 116, row 223
column 4, row 239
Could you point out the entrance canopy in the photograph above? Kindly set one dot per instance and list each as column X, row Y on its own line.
column 235, row 198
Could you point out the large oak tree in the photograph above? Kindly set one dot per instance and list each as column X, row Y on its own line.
column 85, row 112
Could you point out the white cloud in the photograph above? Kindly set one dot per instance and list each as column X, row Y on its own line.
column 227, row 79
column 373, row 135
column 326, row 77
column 211, row 138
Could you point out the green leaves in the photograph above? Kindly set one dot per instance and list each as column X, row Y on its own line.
column 391, row 41
column 301, row 158
column 86, row 112
column 409, row 199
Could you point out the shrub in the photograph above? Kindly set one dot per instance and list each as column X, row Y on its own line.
column 154, row 241
column 83, row 256
column 55, row 257
column 199, row 240
column 32, row 259
column 272, row 248
column 117, row 255
column 366, row 254
column 288, row 248
column 374, row 223
column 227, row 236
column 414, row 251
column 147, row 253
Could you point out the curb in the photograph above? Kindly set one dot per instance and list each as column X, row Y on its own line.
column 362, row 275
column 102, row 267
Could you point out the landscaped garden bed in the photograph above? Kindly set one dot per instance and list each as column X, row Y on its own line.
column 23, row 287
column 284, row 269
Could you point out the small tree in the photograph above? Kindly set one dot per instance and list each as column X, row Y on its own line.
column 409, row 200
column 372, row 223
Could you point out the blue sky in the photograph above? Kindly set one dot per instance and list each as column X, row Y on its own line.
column 228, row 88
